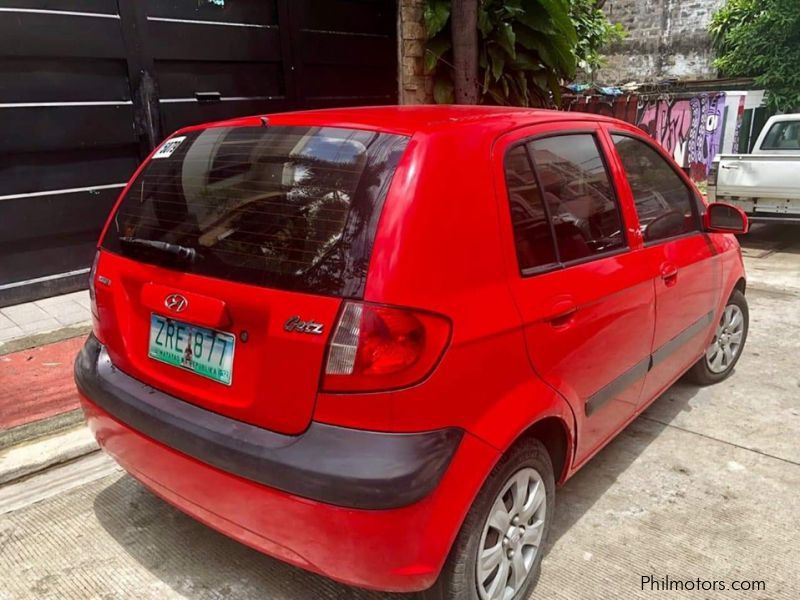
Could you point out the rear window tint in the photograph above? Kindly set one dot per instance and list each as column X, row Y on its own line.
column 294, row 208
column 783, row 136
column 533, row 236
column 664, row 203
column 579, row 197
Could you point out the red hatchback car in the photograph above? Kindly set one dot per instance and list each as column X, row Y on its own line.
column 370, row 342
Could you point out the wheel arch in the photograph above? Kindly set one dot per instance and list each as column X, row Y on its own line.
column 558, row 440
column 740, row 285
column 532, row 409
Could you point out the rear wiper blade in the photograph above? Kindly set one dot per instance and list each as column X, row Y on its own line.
column 181, row 252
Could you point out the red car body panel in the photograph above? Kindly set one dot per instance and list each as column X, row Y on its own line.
column 277, row 394
column 345, row 545
column 522, row 350
column 568, row 324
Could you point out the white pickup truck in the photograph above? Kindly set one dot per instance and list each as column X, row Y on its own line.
column 766, row 183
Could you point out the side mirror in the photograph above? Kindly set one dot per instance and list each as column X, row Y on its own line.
column 724, row 218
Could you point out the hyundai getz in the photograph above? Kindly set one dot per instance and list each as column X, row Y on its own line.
column 370, row 342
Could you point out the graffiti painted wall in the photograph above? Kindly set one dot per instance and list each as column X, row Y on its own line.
column 705, row 133
column 668, row 122
column 690, row 129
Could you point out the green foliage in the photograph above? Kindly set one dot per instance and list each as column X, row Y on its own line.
column 761, row 39
column 526, row 47
column 595, row 33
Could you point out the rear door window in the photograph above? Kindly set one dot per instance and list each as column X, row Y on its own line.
column 664, row 203
column 533, row 236
column 578, row 196
column 294, row 208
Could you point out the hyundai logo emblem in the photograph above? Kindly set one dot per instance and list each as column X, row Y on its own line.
column 176, row 303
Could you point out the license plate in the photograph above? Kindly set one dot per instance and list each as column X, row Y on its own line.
column 206, row 352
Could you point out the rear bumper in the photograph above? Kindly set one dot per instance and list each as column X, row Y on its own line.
column 235, row 481
column 347, row 467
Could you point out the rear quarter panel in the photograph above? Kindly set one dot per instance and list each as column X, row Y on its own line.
column 438, row 248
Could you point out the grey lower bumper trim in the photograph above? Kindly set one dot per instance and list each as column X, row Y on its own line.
column 336, row 465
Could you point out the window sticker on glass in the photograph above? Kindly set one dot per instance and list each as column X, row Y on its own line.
column 169, row 147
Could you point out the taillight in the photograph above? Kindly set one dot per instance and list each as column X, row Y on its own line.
column 93, row 284
column 93, row 276
column 713, row 173
column 376, row 347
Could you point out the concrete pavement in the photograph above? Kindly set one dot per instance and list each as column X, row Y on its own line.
column 43, row 316
column 37, row 455
column 703, row 485
column 38, row 343
column 772, row 256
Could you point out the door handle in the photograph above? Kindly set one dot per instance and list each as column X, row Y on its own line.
column 208, row 97
column 562, row 313
column 669, row 273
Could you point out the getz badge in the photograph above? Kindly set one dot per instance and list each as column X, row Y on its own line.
column 297, row 324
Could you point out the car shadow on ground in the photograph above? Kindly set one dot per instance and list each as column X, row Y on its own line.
column 191, row 558
column 772, row 237
column 594, row 479
column 198, row 562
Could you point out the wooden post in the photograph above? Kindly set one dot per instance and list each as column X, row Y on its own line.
column 141, row 75
column 464, row 17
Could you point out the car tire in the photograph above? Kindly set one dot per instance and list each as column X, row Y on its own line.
column 459, row 577
column 705, row 372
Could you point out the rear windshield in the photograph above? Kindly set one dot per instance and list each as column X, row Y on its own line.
column 294, row 208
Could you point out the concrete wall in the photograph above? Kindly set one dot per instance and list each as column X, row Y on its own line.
column 666, row 39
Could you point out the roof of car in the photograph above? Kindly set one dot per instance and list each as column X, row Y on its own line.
column 408, row 120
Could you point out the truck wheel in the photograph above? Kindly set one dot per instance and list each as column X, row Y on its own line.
column 498, row 552
column 726, row 347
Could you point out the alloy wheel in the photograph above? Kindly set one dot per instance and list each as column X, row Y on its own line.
column 512, row 536
column 727, row 343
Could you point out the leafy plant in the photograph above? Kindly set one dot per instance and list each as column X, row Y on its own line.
column 761, row 39
column 595, row 33
column 525, row 49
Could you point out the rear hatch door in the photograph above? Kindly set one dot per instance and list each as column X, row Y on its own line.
column 223, row 268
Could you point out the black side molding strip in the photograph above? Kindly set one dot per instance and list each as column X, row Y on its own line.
column 640, row 369
column 682, row 338
column 340, row 466
column 621, row 383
